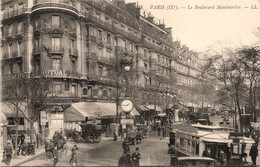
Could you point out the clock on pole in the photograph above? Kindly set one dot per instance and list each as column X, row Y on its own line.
column 127, row 105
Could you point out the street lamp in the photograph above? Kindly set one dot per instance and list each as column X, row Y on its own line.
column 126, row 64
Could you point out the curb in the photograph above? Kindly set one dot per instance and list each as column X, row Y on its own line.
column 27, row 159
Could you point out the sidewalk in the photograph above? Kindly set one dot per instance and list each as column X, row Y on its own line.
column 22, row 159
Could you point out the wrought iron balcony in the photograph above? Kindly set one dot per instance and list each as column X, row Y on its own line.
column 14, row 13
column 57, row 50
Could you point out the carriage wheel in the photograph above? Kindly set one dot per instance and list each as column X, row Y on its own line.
column 91, row 137
column 97, row 139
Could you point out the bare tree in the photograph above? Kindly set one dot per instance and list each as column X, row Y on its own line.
column 28, row 94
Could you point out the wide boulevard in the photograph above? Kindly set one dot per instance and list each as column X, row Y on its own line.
column 107, row 153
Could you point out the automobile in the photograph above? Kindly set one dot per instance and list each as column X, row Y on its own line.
column 187, row 161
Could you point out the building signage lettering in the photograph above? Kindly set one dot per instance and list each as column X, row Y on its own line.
column 55, row 73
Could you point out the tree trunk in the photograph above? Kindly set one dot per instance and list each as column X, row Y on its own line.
column 239, row 111
column 16, row 138
column 117, row 114
column 17, row 121
column 32, row 132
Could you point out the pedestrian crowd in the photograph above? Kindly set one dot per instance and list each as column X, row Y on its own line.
column 128, row 160
column 23, row 148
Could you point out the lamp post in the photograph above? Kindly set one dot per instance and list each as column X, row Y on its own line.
column 127, row 105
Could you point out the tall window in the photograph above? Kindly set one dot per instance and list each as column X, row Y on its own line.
column 73, row 66
column 56, row 64
column 87, row 30
column 38, row 66
column 67, row 86
column 10, row 30
column 20, row 66
column 37, row 43
column 19, row 29
column 55, row 44
column 100, row 71
column 56, row 21
column 73, row 89
column 11, row 68
column 20, row 6
column 131, row 46
column 72, row 45
column 19, row 48
column 108, row 38
column 100, row 35
column 11, row 9
column 9, row 49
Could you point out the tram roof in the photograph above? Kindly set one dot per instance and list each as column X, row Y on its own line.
column 194, row 158
column 209, row 127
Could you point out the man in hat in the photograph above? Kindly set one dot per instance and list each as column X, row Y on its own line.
column 136, row 157
column 125, row 145
column 253, row 153
column 8, row 152
column 125, row 160
column 55, row 155
column 73, row 159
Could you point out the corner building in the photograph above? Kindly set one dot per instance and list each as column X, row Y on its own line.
column 78, row 43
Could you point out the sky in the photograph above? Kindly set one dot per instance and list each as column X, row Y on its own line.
column 205, row 28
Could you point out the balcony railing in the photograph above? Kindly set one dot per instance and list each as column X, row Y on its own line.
column 107, row 60
column 92, row 76
column 110, row 26
column 54, row 4
column 14, row 13
column 59, row 50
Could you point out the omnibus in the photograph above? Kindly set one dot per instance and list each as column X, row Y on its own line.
column 193, row 139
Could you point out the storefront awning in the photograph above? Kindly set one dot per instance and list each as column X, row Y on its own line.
column 10, row 110
column 141, row 108
column 151, row 107
column 79, row 111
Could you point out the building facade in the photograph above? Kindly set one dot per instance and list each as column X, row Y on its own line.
column 80, row 45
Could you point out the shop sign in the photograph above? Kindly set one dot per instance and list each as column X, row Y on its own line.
column 55, row 73
column 127, row 121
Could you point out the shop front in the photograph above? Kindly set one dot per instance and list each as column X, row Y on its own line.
column 89, row 111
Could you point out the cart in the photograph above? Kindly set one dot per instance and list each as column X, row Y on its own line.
column 91, row 132
column 135, row 137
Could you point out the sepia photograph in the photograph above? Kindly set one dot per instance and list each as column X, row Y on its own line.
column 130, row 83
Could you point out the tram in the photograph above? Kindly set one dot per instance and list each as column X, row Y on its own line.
column 193, row 139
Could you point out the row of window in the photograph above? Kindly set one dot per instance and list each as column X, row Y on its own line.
column 55, row 23
column 13, row 29
column 13, row 7
column 185, row 80
column 13, row 50
column 64, row 88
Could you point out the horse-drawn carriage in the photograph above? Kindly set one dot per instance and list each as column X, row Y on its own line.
column 135, row 136
column 91, row 132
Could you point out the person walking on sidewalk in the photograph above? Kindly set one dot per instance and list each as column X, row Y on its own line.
column 253, row 153
column 55, row 155
column 136, row 157
column 8, row 153
column 74, row 159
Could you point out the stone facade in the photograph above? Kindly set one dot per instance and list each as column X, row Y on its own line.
column 79, row 44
